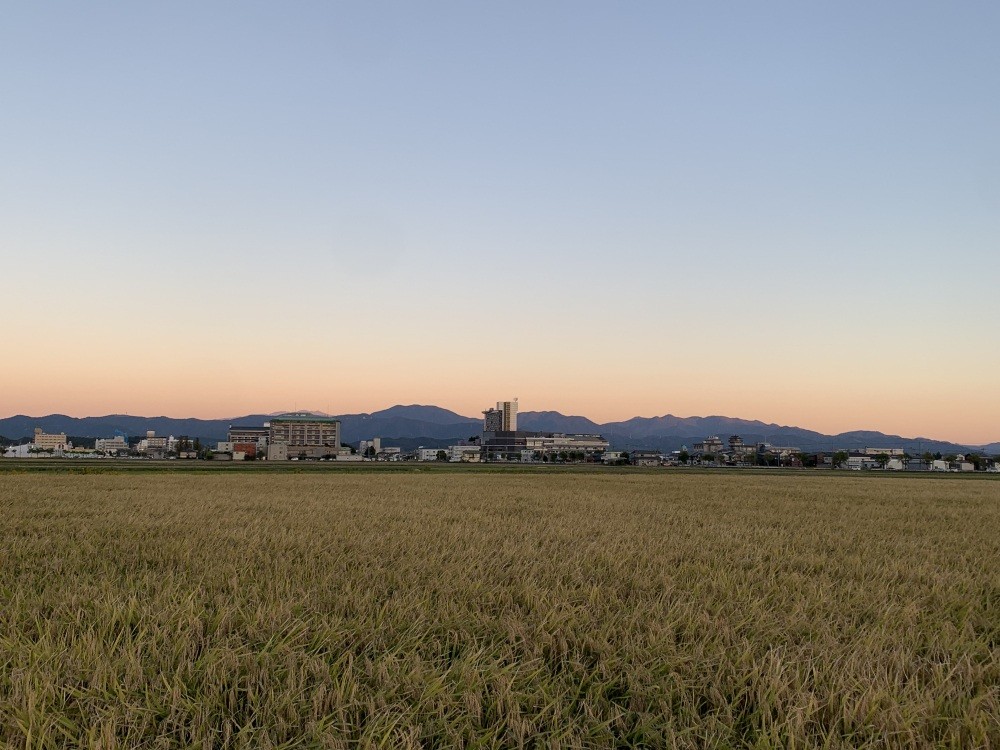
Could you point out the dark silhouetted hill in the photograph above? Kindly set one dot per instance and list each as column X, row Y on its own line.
column 408, row 425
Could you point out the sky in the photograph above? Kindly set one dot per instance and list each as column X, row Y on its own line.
column 776, row 211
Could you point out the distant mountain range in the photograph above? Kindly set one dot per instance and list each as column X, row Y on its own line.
column 409, row 426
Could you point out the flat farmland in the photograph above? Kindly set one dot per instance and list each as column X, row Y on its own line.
column 498, row 610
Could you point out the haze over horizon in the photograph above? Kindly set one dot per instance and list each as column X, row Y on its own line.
column 474, row 415
column 782, row 213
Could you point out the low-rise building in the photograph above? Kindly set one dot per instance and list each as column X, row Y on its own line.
column 375, row 444
column 250, row 450
column 738, row 450
column 464, row 453
column 116, row 444
column 45, row 441
column 155, row 447
column 427, row 454
column 710, row 445
column 251, row 440
column 861, row 461
column 507, row 446
column 645, row 458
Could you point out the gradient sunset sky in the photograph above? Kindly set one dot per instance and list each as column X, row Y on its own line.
column 776, row 211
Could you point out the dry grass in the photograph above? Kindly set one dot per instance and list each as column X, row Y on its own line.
column 491, row 610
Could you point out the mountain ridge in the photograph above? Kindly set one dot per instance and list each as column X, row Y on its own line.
column 415, row 421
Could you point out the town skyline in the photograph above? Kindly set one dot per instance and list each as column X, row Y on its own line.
column 471, row 414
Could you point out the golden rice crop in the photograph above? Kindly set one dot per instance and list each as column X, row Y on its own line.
column 466, row 609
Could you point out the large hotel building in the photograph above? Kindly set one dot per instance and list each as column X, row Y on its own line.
column 302, row 435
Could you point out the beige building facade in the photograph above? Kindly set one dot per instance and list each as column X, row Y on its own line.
column 303, row 435
column 49, row 441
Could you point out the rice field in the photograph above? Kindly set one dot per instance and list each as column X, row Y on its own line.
column 493, row 610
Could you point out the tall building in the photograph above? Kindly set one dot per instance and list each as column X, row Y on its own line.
column 501, row 419
column 492, row 420
column 509, row 411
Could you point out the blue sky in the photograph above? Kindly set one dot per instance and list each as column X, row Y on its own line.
column 805, row 197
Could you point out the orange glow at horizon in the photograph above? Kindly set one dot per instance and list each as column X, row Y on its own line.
column 225, row 395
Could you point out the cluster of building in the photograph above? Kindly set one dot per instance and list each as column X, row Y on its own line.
column 304, row 436
column 57, row 444
column 502, row 441
column 713, row 452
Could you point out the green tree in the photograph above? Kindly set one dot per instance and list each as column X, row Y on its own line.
column 442, row 456
column 882, row 459
column 839, row 459
column 684, row 457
